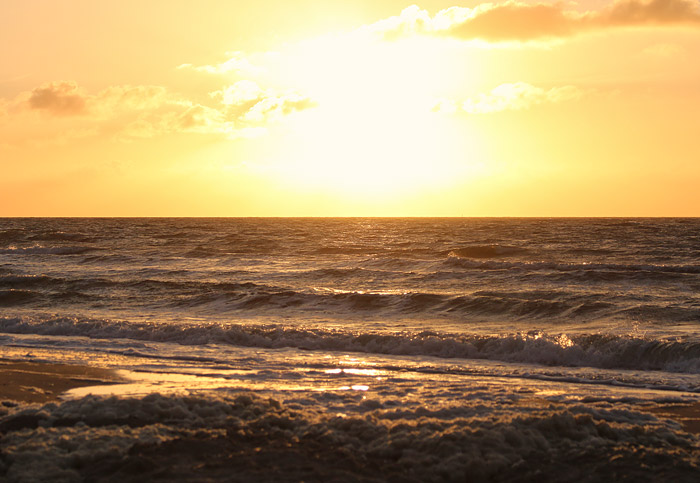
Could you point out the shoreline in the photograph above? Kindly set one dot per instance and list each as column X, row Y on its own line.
column 42, row 382
column 506, row 435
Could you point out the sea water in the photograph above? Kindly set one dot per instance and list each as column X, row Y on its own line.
column 433, row 349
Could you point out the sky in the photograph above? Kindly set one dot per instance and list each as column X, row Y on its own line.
column 349, row 108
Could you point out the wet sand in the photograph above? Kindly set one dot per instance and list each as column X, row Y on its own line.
column 687, row 415
column 34, row 382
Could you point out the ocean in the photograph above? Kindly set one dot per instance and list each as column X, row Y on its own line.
column 360, row 349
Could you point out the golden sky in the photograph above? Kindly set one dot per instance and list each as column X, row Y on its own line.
column 349, row 108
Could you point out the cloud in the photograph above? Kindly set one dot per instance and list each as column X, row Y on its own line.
column 60, row 98
column 66, row 98
column 274, row 107
column 238, row 63
column 445, row 106
column 516, row 21
column 655, row 12
column 149, row 111
column 124, row 112
column 131, row 98
column 412, row 20
column 510, row 97
column 128, row 112
column 185, row 118
column 247, row 102
column 241, row 92
column 200, row 119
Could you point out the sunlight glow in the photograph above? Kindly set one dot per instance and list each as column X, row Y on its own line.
column 351, row 109
column 374, row 132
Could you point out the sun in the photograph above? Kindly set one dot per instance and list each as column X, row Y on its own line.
column 374, row 132
column 365, row 152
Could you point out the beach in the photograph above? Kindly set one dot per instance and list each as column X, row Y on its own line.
column 349, row 241
column 36, row 382
column 349, row 350
column 246, row 437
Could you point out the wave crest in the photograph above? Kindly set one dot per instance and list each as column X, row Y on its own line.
column 585, row 350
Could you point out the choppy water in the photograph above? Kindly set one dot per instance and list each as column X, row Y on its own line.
column 611, row 292
column 377, row 309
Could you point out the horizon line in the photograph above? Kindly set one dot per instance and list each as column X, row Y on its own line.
column 353, row 217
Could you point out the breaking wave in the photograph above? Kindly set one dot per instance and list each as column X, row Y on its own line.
column 585, row 350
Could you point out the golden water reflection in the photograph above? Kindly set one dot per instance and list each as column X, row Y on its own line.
column 138, row 384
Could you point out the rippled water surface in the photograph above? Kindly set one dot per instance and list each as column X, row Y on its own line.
column 460, row 270
column 587, row 292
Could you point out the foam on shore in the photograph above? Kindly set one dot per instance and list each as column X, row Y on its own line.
column 210, row 436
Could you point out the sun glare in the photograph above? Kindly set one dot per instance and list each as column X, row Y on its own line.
column 353, row 108
column 373, row 132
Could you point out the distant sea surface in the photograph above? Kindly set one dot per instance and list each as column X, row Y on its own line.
column 384, row 314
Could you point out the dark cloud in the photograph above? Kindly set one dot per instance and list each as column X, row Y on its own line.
column 518, row 21
column 59, row 98
column 659, row 12
column 515, row 21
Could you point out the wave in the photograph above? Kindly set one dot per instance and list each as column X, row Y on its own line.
column 14, row 297
column 585, row 350
column 411, row 252
column 235, row 247
column 486, row 251
column 201, row 252
column 185, row 286
column 60, row 236
column 12, row 235
column 102, row 258
column 257, row 297
column 262, row 247
column 347, row 250
column 245, row 297
column 465, row 263
column 42, row 250
column 15, row 281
